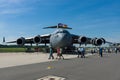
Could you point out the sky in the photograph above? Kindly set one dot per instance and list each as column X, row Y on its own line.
column 90, row 18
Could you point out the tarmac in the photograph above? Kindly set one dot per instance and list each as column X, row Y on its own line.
column 72, row 68
column 17, row 59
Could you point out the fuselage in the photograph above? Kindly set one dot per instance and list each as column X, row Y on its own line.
column 61, row 38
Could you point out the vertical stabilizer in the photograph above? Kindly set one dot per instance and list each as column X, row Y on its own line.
column 3, row 39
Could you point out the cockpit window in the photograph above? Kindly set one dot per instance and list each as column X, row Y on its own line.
column 63, row 31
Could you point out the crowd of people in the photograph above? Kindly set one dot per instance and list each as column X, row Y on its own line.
column 80, row 51
column 59, row 53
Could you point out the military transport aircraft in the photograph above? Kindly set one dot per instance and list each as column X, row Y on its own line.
column 60, row 38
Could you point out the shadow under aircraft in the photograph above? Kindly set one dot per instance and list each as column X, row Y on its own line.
column 60, row 38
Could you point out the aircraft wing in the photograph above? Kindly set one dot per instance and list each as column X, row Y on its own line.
column 76, row 39
column 113, row 43
column 39, row 39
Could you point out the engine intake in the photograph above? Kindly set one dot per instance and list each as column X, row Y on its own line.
column 98, row 42
column 82, row 39
column 103, row 40
column 37, row 39
column 21, row 41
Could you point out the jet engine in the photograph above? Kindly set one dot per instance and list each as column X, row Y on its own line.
column 97, row 41
column 103, row 40
column 21, row 41
column 82, row 39
column 37, row 39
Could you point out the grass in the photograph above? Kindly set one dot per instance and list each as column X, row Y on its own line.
column 21, row 49
column 12, row 49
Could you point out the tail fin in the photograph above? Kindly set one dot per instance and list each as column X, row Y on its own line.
column 60, row 25
column 3, row 39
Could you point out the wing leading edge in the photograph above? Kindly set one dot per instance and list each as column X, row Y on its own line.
column 39, row 39
column 86, row 40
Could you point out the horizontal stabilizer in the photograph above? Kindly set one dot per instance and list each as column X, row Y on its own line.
column 50, row 27
column 60, row 25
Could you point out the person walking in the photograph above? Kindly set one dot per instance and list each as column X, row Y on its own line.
column 116, row 50
column 82, row 52
column 61, row 52
column 58, row 53
column 100, row 52
column 78, row 52
column 51, row 53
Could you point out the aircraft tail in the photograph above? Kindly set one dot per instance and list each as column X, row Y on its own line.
column 3, row 39
column 60, row 25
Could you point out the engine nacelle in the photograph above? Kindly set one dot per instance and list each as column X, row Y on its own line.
column 98, row 42
column 103, row 40
column 21, row 41
column 37, row 39
column 82, row 39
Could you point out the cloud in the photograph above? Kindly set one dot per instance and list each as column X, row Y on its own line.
column 9, row 3
column 14, row 6
column 14, row 11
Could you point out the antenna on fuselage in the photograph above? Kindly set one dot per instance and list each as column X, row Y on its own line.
column 59, row 26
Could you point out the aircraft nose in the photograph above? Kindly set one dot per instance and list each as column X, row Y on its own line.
column 65, row 39
column 64, row 36
column 61, row 40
